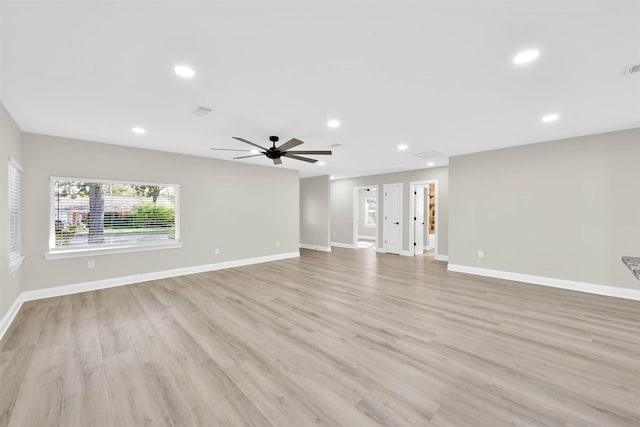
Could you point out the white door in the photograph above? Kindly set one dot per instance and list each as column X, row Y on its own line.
column 418, row 220
column 392, row 225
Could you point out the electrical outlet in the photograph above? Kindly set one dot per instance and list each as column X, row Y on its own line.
column 91, row 263
column 480, row 254
column 333, row 234
column 216, row 251
column 278, row 243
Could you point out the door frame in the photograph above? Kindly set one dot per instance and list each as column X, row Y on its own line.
column 356, row 212
column 401, row 185
column 412, row 210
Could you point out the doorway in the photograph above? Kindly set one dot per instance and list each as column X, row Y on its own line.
column 392, row 223
column 423, row 220
column 365, row 217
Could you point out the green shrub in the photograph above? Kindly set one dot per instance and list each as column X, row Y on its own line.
column 149, row 215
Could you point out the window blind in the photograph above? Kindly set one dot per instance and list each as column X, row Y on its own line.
column 97, row 213
column 15, row 178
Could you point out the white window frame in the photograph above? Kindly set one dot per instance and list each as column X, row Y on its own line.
column 106, row 249
column 366, row 212
column 15, row 255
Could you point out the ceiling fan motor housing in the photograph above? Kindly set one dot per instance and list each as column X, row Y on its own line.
column 273, row 153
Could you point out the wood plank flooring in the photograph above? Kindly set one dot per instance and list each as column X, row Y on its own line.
column 349, row 338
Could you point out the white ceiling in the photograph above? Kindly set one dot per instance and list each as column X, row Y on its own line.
column 436, row 75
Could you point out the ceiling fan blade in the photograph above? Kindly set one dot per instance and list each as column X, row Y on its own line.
column 293, row 142
column 304, row 159
column 244, row 157
column 317, row 152
column 249, row 142
column 277, row 161
column 226, row 149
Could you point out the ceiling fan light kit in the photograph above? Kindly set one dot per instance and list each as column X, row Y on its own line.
column 276, row 153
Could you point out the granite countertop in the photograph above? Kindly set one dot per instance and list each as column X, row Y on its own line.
column 634, row 265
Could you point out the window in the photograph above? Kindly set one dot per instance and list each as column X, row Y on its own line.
column 370, row 212
column 15, row 178
column 90, row 216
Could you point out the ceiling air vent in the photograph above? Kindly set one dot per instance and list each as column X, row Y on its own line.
column 632, row 69
column 334, row 145
column 430, row 154
column 201, row 111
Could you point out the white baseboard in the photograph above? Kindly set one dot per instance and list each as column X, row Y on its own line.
column 315, row 247
column 6, row 320
column 343, row 245
column 591, row 288
column 363, row 237
column 439, row 257
column 405, row 253
column 128, row 280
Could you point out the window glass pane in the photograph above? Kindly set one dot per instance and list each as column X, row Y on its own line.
column 95, row 213
column 370, row 207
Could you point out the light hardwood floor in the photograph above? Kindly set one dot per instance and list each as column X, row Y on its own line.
column 350, row 338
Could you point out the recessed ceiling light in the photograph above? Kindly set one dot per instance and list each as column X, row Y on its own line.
column 138, row 130
column 333, row 123
column 550, row 118
column 184, row 71
column 402, row 147
column 321, row 163
column 332, row 177
column 430, row 164
column 254, row 152
column 526, row 56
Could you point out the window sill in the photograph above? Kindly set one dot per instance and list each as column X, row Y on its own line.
column 83, row 252
column 15, row 262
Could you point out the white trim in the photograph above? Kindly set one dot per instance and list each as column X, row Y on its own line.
column 364, row 237
column 128, row 280
column 343, row 245
column 591, row 288
column 54, row 178
column 315, row 247
column 15, row 164
column 439, row 257
column 108, row 250
column 405, row 253
column 7, row 319
column 15, row 262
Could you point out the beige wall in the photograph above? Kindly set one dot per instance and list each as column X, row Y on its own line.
column 566, row 209
column 342, row 203
column 242, row 209
column 314, row 211
column 10, row 147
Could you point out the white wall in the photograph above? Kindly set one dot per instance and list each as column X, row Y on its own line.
column 314, row 211
column 565, row 209
column 10, row 146
column 342, row 204
column 242, row 209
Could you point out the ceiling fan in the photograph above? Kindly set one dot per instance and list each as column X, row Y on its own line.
column 275, row 153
